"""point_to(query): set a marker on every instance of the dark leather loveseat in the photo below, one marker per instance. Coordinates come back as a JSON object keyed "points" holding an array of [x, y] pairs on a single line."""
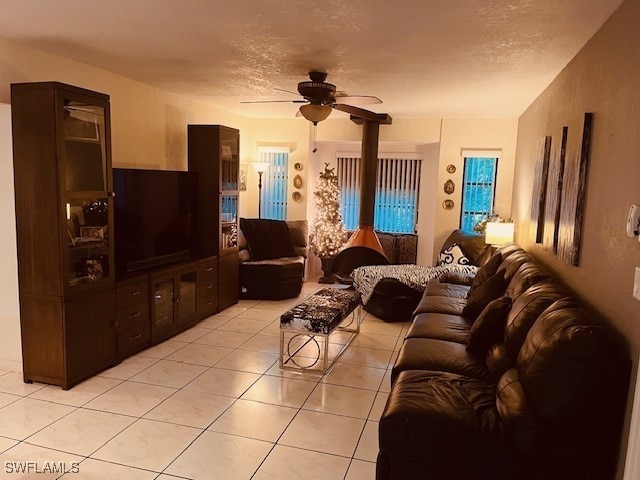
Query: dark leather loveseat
{"points": [[533, 388]]}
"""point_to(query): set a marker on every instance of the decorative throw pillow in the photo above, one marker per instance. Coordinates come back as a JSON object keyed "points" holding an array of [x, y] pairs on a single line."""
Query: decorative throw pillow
{"points": [[452, 256], [267, 239], [489, 326], [487, 270], [479, 298]]}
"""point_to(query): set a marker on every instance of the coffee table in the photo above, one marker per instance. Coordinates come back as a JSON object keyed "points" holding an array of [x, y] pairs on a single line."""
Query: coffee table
{"points": [[312, 322]]}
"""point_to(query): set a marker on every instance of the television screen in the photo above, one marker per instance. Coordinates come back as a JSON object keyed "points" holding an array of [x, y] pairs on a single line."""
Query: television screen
{"points": [[153, 210]]}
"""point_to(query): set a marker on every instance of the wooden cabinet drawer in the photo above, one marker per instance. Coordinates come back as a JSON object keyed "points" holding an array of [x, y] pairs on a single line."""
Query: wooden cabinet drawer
{"points": [[207, 305], [132, 291], [207, 288], [133, 339], [132, 315], [208, 269]]}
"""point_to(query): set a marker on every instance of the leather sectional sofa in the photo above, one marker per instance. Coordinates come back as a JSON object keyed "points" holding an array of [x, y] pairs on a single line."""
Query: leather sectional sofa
{"points": [[533, 388]]}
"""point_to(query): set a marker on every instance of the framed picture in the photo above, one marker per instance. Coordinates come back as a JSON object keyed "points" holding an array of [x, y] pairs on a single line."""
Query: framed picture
{"points": [[95, 233], [95, 271], [574, 188], [554, 192], [539, 194], [242, 178]]}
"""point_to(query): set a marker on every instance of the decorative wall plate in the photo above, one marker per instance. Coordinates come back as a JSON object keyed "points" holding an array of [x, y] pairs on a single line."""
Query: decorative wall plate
{"points": [[451, 168], [297, 166], [297, 181], [449, 187], [297, 196], [448, 204]]}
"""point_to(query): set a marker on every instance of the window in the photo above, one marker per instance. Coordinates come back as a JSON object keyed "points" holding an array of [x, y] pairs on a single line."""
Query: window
{"points": [[397, 192], [274, 183], [478, 190]]}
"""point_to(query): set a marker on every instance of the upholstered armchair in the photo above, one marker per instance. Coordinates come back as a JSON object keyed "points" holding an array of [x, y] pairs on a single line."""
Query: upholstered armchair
{"points": [[273, 257]]}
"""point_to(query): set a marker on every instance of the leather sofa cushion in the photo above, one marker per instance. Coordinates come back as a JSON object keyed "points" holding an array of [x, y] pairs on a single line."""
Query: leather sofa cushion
{"points": [[489, 269], [442, 289], [527, 275], [439, 356], [488, 329], [449, 424], [513, 262], [528, 432], [498, 361], [564, 358], [440, 326], [438, 304], [267, 239], [524, 312], [493, 288]]}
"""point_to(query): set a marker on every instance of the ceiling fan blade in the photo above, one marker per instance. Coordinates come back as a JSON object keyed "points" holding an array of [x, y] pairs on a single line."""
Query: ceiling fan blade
{"points": [[286, 91], [277, 101], [357, 100], [358, 112]]}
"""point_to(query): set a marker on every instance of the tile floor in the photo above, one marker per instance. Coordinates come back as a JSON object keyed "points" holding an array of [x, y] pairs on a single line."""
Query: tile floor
{"points": [[210, 403]]}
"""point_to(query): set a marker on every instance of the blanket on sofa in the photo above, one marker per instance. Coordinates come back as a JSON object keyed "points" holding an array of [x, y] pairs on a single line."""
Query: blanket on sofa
{"points": [[366, 278]]}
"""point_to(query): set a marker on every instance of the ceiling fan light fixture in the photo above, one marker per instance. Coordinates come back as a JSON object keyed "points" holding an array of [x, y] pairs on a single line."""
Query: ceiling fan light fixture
{"points": [[315, 113]]}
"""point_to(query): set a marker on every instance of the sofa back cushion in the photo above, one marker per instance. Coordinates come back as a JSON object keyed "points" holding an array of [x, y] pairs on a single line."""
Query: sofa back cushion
{"points": [[513, 262], [564, 359], [299, 231], [529, 274], [525, 310], [267, 239]]}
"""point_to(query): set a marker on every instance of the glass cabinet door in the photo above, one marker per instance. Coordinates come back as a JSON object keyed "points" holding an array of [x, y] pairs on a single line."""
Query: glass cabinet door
{"points": [[187, 305], [84, 149], [163, 321], [229, 221], [230, 161], [87, 241]]}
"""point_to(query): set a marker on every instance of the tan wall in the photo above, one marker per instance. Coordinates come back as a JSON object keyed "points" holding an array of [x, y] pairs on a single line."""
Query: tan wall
{"points": [[603, 78], [148, 126], [473, 134]]}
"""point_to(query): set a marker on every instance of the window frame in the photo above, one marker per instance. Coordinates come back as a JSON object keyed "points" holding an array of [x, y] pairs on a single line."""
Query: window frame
{"points": [[274, 186], [465, 185]]}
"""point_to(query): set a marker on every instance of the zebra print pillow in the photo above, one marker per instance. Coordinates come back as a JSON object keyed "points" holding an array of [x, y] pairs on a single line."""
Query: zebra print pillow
{"points": [[453, 256]]}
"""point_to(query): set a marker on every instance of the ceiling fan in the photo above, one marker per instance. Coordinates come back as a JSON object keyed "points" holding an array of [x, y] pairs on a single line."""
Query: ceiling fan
{"points": [[320, 97]]}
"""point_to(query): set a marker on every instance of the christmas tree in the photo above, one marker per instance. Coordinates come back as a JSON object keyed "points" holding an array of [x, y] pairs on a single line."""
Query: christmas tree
{"points": [[327, 232]]}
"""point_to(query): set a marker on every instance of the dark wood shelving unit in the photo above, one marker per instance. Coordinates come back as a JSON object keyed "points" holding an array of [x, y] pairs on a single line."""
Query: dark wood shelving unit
{"points": [[64, 218], [76, 317], [214, 154]]}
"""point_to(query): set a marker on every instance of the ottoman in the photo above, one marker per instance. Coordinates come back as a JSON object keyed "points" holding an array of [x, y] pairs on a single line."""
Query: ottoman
{"points": [[271, 279]]}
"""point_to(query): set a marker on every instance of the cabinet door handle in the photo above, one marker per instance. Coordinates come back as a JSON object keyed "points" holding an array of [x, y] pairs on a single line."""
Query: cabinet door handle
{"points": [[134, 293], [210, 286], [209, 302], [134, 315], [135, 337], [210, 269]]}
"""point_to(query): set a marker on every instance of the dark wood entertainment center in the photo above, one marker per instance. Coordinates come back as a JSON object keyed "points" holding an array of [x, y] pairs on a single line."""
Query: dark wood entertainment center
{"points": [[78, 315]]}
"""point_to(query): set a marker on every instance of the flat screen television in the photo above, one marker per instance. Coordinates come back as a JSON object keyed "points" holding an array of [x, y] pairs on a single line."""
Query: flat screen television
{"points": [[153, 210]]}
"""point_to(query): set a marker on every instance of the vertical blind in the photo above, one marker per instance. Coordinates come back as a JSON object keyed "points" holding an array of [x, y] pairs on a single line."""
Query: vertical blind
{"points": [[478, 190], [397, 193], [274, 185]]}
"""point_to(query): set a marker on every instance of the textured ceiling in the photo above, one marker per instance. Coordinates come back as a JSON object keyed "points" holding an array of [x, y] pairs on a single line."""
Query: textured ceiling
{"points": [[423, 58]]}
